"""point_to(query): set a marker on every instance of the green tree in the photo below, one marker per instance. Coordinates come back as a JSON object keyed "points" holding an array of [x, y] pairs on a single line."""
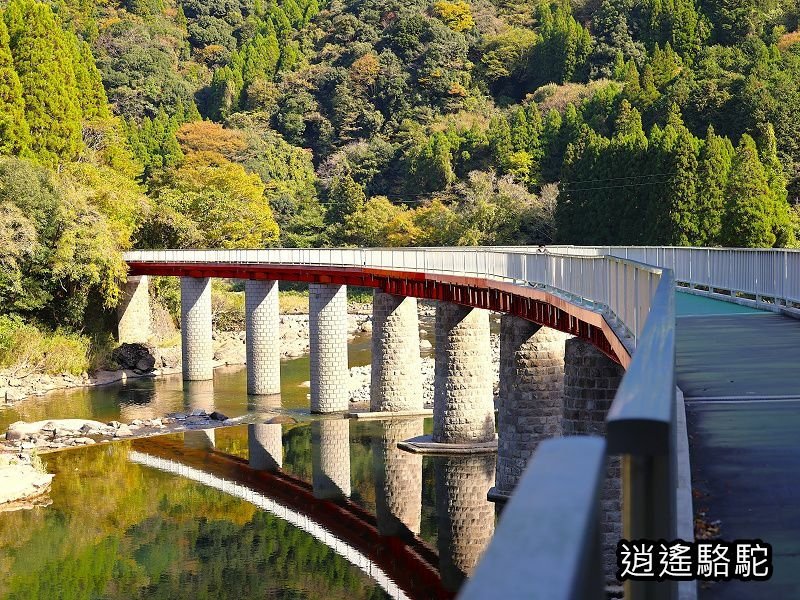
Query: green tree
{"points": [[748, 208], [714, 169], [44, 61], [14, 132]]}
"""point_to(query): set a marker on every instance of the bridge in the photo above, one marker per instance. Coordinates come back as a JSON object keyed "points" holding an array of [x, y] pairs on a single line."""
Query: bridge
{"points": [[592, 347]]}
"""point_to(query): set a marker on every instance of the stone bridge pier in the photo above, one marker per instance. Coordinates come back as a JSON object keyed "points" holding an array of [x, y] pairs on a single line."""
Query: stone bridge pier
{"points": [[530, 399], [396, 369], [133, 311], [197, 350], [327, 321], [262, 337], [591, 380], [398, 478], [465, 518], [330, 458], [463, 407]]}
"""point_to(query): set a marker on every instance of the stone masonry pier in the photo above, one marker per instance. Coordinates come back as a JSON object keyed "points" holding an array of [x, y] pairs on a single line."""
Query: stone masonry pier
{"points": [[530, 399], [133, 312], [590, 384], [262, 324], [196, 341], [328, 346], [396, 376], [463, 409]]}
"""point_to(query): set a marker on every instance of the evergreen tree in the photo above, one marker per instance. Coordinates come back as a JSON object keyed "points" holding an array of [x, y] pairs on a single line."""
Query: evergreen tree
{"points": [[89, 82], [44, 62], [713, 171], [748, 208], [781, 219], [673, 204], [14, 132]]}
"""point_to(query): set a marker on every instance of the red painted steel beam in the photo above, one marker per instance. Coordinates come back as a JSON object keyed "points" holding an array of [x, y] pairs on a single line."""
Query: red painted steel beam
{"points": [[534, 304]]}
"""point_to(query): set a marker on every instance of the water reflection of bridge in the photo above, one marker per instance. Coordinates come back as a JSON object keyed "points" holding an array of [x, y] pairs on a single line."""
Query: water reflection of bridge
{"points": [[386, 545]]}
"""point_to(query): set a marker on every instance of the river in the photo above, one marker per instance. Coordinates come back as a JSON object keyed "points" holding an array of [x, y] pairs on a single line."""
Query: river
{"points": [[185, 516]]}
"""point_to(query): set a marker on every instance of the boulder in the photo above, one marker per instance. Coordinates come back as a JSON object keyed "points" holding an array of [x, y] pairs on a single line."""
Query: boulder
{"points": [[218, 416], [134, 356]]}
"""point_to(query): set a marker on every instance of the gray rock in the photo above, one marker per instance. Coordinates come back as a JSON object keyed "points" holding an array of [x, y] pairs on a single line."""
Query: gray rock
{"points": [[146, 363], [198, 412], [114, 424], [13, 434], [122, 431], [178, 416], [128, 356]]}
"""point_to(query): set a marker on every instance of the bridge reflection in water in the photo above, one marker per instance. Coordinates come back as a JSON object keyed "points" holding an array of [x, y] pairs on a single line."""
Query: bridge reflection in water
{"points": [[386, 544]]}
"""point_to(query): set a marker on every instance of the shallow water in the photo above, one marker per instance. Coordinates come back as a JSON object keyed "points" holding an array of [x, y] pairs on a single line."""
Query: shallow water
{"points": [[202, 514]]}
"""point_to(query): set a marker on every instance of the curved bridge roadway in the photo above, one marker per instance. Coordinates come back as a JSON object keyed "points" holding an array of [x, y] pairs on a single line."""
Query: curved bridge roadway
{"points": [[736, 349]]}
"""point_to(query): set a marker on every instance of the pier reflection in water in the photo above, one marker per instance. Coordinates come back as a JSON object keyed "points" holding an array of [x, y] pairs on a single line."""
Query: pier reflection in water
{"points": [[139, 531], [119, 529]]}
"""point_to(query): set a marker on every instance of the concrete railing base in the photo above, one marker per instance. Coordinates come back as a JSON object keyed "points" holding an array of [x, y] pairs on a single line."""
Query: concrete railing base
{"points": [[386, 414], [424, 444]]}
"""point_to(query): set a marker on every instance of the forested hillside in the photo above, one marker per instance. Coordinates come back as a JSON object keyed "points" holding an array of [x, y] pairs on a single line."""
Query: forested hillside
{"points": [[251, 123]]}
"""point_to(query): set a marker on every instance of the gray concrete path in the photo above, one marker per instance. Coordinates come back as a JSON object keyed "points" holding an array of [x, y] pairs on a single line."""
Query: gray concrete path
{"points": [[740, 373]]}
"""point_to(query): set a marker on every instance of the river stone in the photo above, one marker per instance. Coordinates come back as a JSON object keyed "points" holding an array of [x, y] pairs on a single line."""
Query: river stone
{"points": [[218, 416], [282, 419], [122, 431], [13, 434]]}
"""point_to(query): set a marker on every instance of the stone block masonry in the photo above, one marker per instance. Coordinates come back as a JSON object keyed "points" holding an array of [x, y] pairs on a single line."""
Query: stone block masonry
{"points": [[463, 408], [396, 367], [133, 312], [265, 446], [464, 516], [262, 324], [398, 478], [330, 458], [197, 349], [330, 379], [531, 395], [591, 380]]}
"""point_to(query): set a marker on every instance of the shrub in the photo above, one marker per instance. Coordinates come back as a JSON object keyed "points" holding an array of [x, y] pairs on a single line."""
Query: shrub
{"points": [[26, 349]]}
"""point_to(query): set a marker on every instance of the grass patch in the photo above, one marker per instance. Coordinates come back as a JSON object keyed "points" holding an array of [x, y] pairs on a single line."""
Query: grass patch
{"points": [[26, 349]]}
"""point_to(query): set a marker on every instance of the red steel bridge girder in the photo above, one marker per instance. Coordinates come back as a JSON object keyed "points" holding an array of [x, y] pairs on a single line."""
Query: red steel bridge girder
{"points": [[533, 305]]}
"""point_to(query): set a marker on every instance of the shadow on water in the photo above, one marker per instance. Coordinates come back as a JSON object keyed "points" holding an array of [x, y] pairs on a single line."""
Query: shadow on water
{"points": [[324, 509]]}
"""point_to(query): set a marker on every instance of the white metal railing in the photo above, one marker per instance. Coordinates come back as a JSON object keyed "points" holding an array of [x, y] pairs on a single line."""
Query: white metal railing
{"points": [[768, 277]]}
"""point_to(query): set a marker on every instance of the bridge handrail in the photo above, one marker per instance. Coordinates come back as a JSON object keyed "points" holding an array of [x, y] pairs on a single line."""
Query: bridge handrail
{"points": [[562, 488]]}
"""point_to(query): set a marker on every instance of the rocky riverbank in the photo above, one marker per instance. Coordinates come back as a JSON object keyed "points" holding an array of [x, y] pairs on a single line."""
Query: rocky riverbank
{"points": [[23, 482], [136, 360], [55, 434]]}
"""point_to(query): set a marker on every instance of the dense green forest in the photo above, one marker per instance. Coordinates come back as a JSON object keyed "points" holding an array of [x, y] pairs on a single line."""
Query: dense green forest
{"points": [[252, 123]]}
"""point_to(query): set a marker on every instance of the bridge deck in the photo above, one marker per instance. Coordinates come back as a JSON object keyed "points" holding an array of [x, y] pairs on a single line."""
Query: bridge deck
{"points": [[738, 368]]}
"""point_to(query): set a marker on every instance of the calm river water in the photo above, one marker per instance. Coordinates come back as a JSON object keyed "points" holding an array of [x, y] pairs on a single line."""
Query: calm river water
{"points": [[186, 516]]}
